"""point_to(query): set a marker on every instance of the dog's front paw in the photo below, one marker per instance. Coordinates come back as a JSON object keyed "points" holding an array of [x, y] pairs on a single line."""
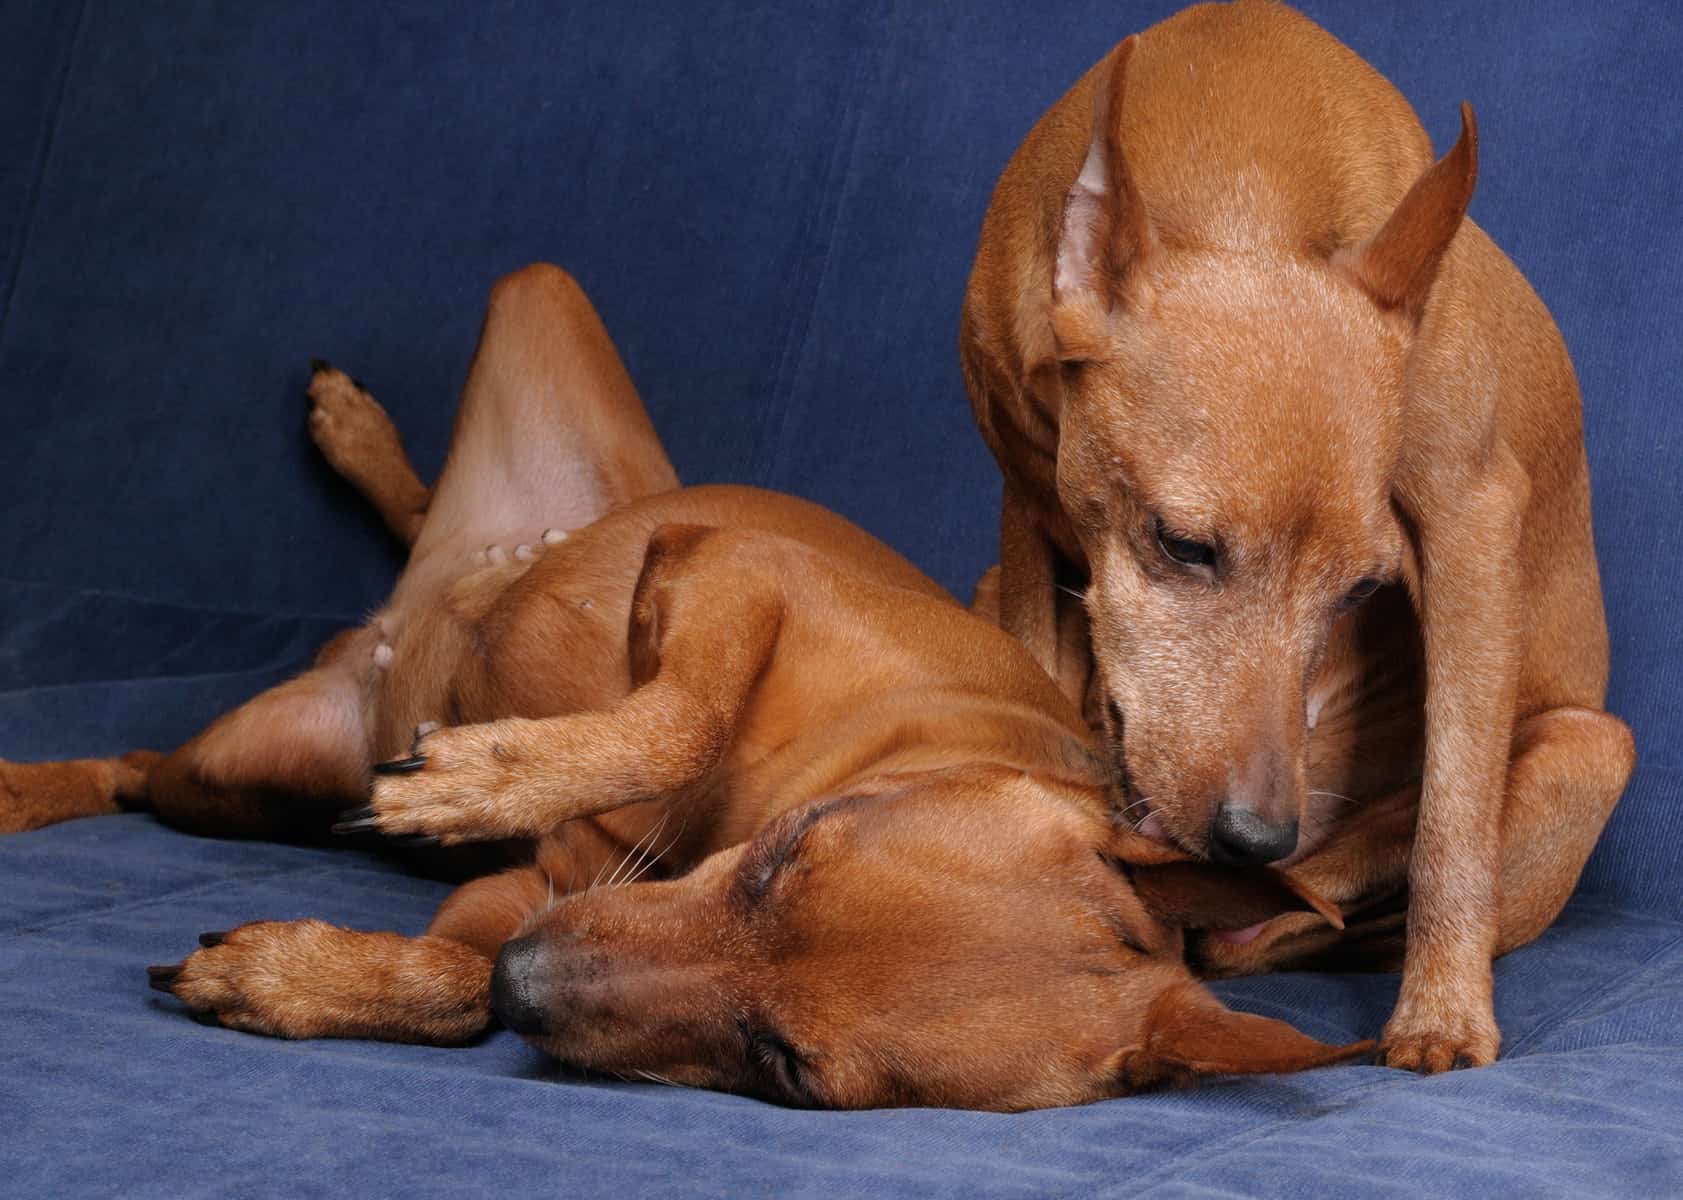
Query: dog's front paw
{"points": [[451, 789], [270, 977], [1441, 1042]]}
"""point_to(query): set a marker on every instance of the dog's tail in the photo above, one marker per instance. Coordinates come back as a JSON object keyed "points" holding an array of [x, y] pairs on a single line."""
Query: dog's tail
{"points": [[45, 793]]}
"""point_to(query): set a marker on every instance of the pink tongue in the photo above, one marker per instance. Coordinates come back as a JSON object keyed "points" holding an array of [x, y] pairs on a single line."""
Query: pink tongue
{"points": [[1238, 937], [1152, 828]]}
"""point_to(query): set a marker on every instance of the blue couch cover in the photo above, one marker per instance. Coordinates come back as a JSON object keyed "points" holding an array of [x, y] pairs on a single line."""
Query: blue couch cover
{"points": [[774, 207]]}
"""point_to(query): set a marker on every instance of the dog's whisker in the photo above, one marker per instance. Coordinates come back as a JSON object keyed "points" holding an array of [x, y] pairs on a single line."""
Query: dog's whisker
{"points": [[1333, 796], [1141, 803], [600, 871], [652, 858], [624, 862], [659, 854], [638, 850]]}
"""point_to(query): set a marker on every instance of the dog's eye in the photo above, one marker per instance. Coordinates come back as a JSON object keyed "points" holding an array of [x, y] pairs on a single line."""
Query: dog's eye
{"points": [[1185, 551], [778, 1059], [1363, 589]]}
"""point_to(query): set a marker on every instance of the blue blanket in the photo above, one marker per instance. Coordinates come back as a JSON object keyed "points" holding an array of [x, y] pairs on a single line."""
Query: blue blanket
{"points": [[774, 208]]}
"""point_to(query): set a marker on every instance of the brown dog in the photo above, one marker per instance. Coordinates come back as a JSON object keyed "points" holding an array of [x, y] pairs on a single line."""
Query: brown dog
{"points": [[891, 870], [1244, 365]]}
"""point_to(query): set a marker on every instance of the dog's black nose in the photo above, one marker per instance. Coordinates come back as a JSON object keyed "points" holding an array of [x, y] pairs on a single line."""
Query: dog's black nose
{"points": [[1241, 838], [517, 985]]}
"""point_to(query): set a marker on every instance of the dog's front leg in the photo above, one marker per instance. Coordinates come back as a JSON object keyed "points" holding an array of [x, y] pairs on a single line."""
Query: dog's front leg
{"points": [[701, 639], [1467, 534], [308, 979]]}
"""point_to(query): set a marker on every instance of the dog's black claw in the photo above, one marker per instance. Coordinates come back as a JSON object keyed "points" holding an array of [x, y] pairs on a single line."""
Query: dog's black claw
{"points": [[162, 978], [1461, 1063], [214, 938], [318, 365], [356, 820], [205, 1017], [401, 766]]}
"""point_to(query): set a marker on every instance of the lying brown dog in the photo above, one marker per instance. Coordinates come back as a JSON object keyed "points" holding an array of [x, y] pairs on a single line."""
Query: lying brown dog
{"points": [[1244, 366], [890, 869]]}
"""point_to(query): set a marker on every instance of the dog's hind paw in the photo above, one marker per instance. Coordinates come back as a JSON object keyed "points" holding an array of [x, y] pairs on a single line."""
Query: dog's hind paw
{"points": [[346, 423]]}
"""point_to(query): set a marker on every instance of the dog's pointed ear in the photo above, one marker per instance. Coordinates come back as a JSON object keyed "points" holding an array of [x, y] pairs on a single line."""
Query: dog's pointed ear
{"points": [[1398, 265], [1105, 230], [1195, 895], [1187, 1030]]}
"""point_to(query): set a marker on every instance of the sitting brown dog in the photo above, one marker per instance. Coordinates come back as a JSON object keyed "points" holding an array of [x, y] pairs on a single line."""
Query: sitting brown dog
{"points": [[1287, 440], [850, 844]]}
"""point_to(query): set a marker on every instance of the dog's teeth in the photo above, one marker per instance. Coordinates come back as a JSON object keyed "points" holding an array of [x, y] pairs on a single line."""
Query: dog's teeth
{"points": [[496, 555], [524, 552], [383, 655], [552, 536]]}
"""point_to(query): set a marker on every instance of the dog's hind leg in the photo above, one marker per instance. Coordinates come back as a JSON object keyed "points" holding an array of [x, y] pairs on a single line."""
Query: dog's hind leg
{"points": [[550, 433], [1568, 768], [279, 763], [358, 439], [277, 766]]}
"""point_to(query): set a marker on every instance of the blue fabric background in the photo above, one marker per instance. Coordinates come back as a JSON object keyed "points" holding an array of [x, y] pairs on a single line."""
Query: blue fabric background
{"points": [[774, 207]]}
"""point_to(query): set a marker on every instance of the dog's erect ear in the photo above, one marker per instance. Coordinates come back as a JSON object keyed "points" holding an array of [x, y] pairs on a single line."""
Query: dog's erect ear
{"points": [[1196, 895], [1188, 1030], [1398, 264], [1106, 228]]}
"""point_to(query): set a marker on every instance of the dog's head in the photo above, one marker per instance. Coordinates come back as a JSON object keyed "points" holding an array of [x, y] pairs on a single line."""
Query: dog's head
{"points": [[968, 939], [1229, 459]]}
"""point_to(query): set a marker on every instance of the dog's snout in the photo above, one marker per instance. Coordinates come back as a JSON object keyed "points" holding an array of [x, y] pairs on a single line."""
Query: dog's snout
{"points": [[517, 985], [1240, 837]]}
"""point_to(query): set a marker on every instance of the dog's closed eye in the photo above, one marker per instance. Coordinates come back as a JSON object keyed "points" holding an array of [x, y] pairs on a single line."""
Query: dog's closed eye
{"points": [[1361, 590], [772, 1056], [1188, 552]]}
